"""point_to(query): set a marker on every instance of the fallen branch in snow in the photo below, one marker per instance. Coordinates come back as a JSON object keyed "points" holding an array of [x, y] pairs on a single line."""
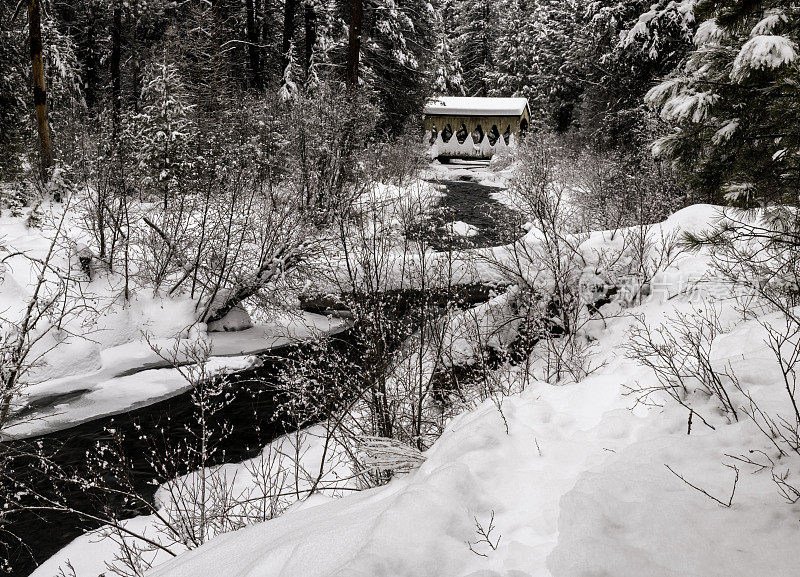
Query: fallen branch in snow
{"points": [[383, 454], [270, 270], [751, 461], [706, 493]]}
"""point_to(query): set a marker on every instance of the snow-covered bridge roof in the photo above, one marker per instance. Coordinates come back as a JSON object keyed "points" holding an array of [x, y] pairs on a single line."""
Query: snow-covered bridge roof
{"points": [[475, 106]]}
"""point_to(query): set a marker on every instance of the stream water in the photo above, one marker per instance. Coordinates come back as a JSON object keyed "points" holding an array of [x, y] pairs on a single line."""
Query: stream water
{"points": [[470, 202], [250, 415]]}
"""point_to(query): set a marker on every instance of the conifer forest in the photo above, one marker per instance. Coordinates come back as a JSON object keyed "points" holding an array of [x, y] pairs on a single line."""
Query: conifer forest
{"points": [[399, 288]]}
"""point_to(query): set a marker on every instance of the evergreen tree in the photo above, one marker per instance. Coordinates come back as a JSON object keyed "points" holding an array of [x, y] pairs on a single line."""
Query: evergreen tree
{"points": [[624, 49], [14, 96], [446, 70], [555, 84], [513, 50], [398, 40], [288, 90], [733, 105], [66, 104], [164, 130], [475, 40]]}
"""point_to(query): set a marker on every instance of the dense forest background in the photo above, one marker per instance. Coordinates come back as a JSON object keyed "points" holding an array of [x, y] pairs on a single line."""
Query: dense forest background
{"points": [[579, 64], [123, 73]]}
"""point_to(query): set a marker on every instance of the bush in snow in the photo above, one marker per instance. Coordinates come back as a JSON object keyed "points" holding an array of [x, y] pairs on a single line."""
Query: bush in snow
{"points": [[679, 353], [548, 264], [14, 199], [35, 216], [615, 189], [754, 256]]}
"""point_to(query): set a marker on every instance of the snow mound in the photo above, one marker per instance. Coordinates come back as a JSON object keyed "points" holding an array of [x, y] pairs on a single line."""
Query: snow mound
{"points": [[237, 319], [461, 228], [631, 516]]}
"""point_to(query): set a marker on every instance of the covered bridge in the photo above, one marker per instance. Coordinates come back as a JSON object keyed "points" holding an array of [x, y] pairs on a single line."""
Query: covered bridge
{"points": [[471, 127]]}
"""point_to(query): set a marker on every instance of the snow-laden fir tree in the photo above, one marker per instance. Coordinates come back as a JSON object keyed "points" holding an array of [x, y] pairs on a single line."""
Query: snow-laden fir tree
{"points": [[164, 129], [446, 70], [396, 55], [733, 106], [288, 89], [515, 50], [14, 95], [622, 48], [475, 39], [66, 102], [554, 87]]}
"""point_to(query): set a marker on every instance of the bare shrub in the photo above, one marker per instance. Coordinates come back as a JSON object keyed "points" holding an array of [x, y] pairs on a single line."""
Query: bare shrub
{"points": [[679, 353], [485, 536], [43, 321], [548, 264], [756, 255], [615, 190]]}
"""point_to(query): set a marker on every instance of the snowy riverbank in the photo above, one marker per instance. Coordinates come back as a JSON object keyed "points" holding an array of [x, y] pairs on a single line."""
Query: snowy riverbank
{"points": [[572, 477]]}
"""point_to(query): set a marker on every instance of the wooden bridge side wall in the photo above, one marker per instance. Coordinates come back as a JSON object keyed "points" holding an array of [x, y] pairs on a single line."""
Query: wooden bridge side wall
{"points": [[472, 122], [469, 148]]}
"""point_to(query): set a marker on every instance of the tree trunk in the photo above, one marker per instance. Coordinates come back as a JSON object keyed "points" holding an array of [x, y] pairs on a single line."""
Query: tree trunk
{"points": [[289, 8], [116, 54], [354, 42], [39, 91], [311, 34], [253, 50]]}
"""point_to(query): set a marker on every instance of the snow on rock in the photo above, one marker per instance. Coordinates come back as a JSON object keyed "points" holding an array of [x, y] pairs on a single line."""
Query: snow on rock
{"points": [[237, 319], [461, 228]]}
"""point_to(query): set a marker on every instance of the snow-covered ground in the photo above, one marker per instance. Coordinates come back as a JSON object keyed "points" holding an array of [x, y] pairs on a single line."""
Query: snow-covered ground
{"points": [[572, 478]]}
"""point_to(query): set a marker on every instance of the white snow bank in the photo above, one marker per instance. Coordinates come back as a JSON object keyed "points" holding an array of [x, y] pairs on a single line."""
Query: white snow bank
{"points": [[111, 388], [90, 553], [630, 516]]}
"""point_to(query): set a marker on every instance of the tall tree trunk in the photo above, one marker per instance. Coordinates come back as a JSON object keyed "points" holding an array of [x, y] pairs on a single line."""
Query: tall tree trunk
{"points": [[289, 8], [253, 50], [311, 34], [116, 54], [39, 91], [354, 42], [266, 33]]}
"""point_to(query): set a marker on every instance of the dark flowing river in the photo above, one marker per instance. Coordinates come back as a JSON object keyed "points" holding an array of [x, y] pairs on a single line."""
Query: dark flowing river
{"points": [[249, 414]]}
